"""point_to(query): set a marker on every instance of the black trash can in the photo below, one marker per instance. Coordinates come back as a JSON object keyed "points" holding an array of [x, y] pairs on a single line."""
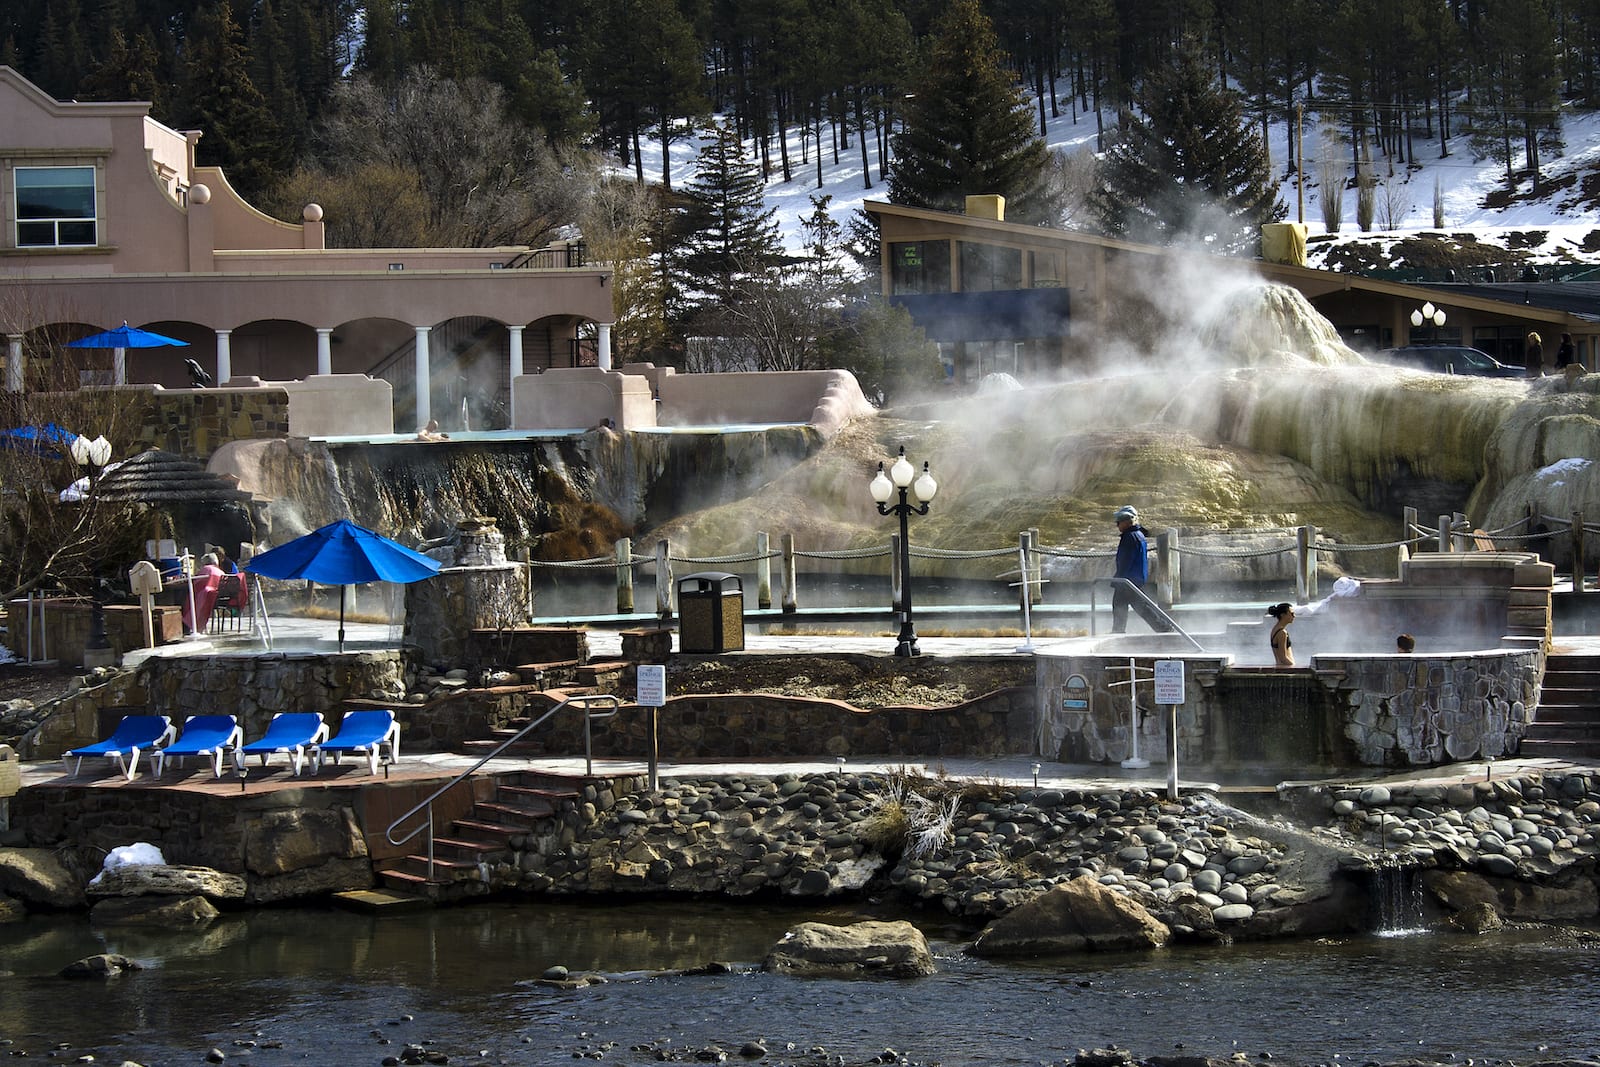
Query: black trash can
{"points": [[710, 612]]}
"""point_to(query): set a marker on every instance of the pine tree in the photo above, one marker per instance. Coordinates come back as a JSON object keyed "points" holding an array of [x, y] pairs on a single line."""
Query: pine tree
{"points": [[240, 133], [968, 127], [1189, 167], [729, 237]]}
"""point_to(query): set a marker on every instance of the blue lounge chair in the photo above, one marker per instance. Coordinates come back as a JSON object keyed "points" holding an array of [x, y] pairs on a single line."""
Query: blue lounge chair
{"points": [[291, 732], [365, 733], [134, 734], [203, 735]]}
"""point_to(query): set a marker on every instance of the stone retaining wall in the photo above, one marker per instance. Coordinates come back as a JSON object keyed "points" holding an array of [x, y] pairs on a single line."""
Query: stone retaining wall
{"points": [[252, 687], [1344, 711], [764, 726]]}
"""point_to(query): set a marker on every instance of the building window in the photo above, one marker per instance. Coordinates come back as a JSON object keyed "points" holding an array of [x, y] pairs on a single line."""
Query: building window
{"points": [[919, 267], [55, 207], [986, 268]]}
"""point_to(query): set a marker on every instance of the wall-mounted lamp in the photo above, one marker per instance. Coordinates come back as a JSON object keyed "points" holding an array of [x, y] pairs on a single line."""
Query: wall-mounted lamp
{"points": [[602, 281], [397, 266]]}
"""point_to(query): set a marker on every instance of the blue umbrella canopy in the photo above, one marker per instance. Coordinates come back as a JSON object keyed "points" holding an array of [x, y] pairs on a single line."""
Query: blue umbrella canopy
{"points": [[342, 553], [126, 336], [49, 440]]}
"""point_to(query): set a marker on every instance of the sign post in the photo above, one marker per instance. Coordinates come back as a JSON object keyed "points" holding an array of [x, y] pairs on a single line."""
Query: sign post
{"points": [[1169, 691], [652, 687]]}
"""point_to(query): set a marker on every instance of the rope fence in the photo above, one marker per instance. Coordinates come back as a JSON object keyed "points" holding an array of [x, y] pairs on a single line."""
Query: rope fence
{"points": [[1307, 547]]}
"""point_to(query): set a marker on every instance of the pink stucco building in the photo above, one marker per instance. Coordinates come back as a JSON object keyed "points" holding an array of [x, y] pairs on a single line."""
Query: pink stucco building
{"points": [[107, 219]]}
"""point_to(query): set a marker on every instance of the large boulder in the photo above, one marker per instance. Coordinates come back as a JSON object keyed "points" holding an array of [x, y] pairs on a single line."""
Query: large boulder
{"points": [[1080, 915], [1510, 898], [170, 880], [153, 911], [37, 876], [12, 911], [280, 842], [882, 949], [333, 876]]}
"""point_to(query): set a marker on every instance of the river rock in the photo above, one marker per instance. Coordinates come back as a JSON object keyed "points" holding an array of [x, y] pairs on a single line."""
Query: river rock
{"points": [[37, 876], [105, 965], [1477, 918], [170, 880], [884, 949], [12, 910], [1513, 899], [1081, 914], [153, 911]]}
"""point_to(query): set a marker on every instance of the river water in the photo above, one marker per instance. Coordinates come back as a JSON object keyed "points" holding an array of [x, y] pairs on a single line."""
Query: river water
{"points": [[305, 986]]}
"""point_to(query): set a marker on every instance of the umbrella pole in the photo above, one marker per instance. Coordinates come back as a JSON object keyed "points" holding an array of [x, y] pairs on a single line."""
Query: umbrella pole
{"points": [[119, 366], [342, 590]]}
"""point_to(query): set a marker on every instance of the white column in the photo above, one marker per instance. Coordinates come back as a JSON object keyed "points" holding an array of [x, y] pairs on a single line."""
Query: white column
{"points": [[603, 349], [224, 356], [424, 379], [324, 351], [514, 355], [119, 366], [14, 363]]}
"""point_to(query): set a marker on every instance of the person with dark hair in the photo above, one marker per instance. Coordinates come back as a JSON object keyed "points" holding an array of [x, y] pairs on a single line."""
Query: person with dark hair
{"points": [[1567, 353], [1133, 564], [1405, 643], [1282, 654]]}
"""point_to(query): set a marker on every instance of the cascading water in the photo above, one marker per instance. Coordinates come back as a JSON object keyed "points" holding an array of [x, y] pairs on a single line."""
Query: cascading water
{"points": [[1396, 906]]}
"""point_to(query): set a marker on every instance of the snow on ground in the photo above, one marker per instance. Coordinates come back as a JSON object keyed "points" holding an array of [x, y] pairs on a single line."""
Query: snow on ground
{"points": [[1464, 183]]}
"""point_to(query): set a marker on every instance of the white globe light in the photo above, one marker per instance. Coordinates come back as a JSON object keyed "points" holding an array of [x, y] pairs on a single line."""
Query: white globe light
{"points": [[100, 451], [1438, 317], [1416, 318], [80, 450], [1427, 310], [925, 486], [882, 489], [902, 472]]}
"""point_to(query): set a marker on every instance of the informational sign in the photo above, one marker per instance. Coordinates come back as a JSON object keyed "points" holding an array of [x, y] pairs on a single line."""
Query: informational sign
{"points": [[1075, 694], [1169, 681], [652, 684]]}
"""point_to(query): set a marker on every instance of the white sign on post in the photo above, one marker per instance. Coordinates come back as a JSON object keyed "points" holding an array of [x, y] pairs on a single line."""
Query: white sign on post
{"points": [[1169, 681], [652, 684]]}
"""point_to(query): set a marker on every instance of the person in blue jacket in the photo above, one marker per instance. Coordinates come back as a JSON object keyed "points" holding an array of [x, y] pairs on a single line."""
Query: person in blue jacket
{"points": [[1133, 564]]}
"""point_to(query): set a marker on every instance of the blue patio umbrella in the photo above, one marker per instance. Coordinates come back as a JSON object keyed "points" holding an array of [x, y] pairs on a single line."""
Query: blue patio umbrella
{"points": [[39, 440], [123, 338], [342, 553]]}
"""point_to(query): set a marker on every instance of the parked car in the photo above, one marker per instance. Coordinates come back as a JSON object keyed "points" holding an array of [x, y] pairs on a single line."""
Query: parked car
{"points": [[1450, 359]]}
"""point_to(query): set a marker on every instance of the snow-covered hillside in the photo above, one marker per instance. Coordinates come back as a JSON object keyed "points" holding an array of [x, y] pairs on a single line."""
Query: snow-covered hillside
{"points": [[1472, 190]]}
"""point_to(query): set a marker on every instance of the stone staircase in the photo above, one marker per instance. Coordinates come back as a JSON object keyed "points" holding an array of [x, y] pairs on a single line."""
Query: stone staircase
{"points": [[465, 849], [586, 679], [1566, 724]]}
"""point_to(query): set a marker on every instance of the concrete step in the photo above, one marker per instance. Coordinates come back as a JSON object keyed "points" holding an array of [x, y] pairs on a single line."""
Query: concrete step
{"points": [[1583, 681], [468, 848], [1564, 750], [1566, 713], [1557, 729], [512, 813], [476, 827]]}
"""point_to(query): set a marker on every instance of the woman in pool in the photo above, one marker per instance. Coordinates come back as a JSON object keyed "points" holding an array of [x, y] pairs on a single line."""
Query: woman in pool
{"points": [[1282, 654]]}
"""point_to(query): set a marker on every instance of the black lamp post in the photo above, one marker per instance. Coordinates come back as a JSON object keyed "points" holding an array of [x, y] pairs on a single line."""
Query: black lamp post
{"points": [[97, 651], [884, 486]]}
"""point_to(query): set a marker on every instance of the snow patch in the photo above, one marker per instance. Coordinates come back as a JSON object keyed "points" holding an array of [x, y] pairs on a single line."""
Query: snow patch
{"points": [[1556, 474], [138, 854]]}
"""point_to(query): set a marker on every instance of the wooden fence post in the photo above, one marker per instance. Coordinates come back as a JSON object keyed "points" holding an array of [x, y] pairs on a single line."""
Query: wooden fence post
{"points": [[624, 576], [1577, 552], [791, 596], [663, 581], [1302, 564], [1444, 533], [763, 571]]}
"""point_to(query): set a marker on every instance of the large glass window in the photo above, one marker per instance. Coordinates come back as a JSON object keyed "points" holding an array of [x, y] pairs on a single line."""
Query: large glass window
{"points": [[55, 207], [919, 267], [986, 268]]}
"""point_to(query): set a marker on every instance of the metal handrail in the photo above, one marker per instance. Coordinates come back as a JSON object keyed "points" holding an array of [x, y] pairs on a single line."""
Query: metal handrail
{"points": [[583, 700], [1140, 593]]}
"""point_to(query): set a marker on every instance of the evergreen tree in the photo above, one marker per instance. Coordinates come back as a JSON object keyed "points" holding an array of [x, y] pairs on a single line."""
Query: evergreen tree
{"points": [[1191, 167], [240, 133], [730, 240], [126, 73], [968, 127]]}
